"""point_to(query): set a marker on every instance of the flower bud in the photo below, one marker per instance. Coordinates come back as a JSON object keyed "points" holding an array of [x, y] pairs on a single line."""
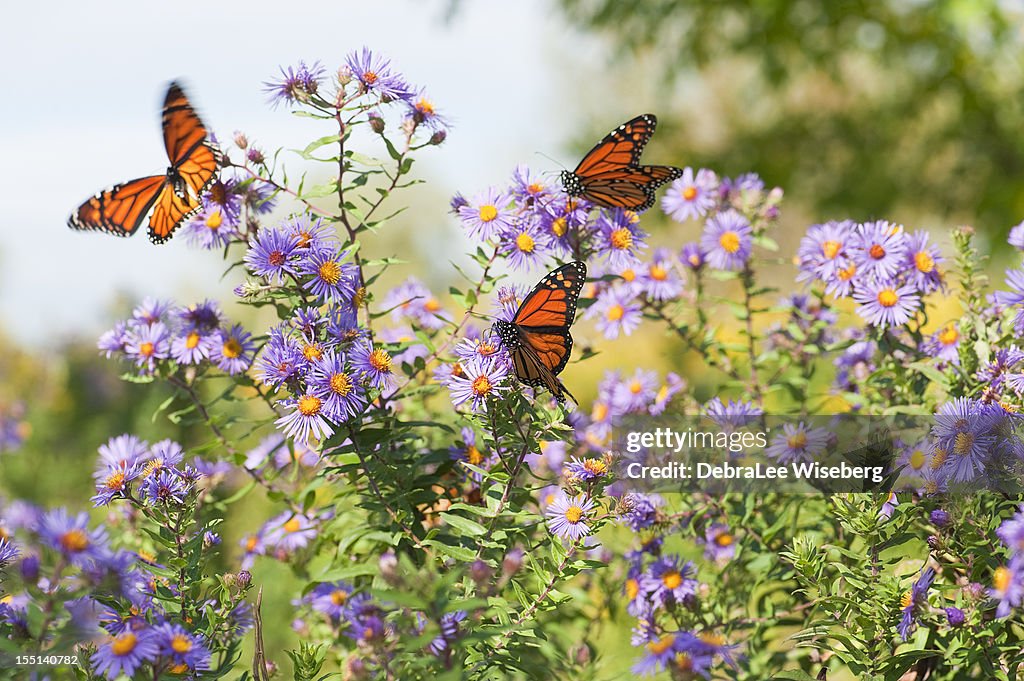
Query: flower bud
{"points": [[388, 565], [512, 562], [241, 141], [256, 156], [376, 122], [30, 568], [955, 617], [439, 137], [480, 572], [939, 518], [243, 579]]}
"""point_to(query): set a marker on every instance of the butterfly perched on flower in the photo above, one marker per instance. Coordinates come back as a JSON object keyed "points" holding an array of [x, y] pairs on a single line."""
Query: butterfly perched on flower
{"points": [[610, 175], [171, 198], [538, 337]]}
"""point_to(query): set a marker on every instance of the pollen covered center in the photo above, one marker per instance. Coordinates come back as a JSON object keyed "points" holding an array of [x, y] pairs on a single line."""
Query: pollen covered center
{"points": [[524, 242], [380, 360], [341, 384], [330, 272], [730, 241], [690, 193], [887, 297], [309, 405], [488, 213], [621, 239], [482, 385], [574, 514]]}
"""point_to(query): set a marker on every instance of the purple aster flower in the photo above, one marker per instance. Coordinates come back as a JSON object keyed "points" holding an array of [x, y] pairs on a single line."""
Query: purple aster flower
{"points": [[719, 543], [568, 516], [726, 241], [586, 469], [855, 364], [617, 312], [296, 83], [374, 75], [152, 311], [450, 632], [373, 364], [635, 393], [414, 301], [692, 256], [8, 552], [681, 651], [186, 651], [889, 506], [798, 442], [922, 263], [147, 344], [944, 344], [488, 214], [1004, 360], [114, 341], [939, 518], [271, 255], [507, 301], [1012, 532], [669, 580], [289, 532], [886, 304], [619, 237], [307, 321], [72, 536], [822, 250], [209, 229], [879, 248], [528, 187], [673, 385], [955, 617], [338, 386], [524, 245], [733, 415], [233, 350], [166, 488], [643, 511], [423, 112], [913, 601], [125, 653], [845, 276], [481, 378], [122, 450], [280, 359], [1008, 586], [114, 483], [660, 281], [191, 348], [331, 279], [226, 194], [330, 598], [311, 236], [691, 196], [1016, 238], [307, 420]]}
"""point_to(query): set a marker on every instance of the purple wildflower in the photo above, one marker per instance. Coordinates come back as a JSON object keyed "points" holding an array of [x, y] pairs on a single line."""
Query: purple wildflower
{"points": [[726, 241]]}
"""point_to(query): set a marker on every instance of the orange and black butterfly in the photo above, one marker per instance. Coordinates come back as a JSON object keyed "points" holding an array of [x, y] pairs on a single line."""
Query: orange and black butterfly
{"points": [[538, 337], [171, 198], [610, 175]]}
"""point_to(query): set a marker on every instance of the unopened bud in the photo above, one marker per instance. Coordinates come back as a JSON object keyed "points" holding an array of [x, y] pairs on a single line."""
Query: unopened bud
{"points": [[376, 122], [388, 565], [241, 141]]}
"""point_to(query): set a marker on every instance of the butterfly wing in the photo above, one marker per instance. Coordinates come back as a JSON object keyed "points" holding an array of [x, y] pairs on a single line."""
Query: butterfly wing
{"points": [[630, 188], [619, 148], [121, 209], [169, 211]]}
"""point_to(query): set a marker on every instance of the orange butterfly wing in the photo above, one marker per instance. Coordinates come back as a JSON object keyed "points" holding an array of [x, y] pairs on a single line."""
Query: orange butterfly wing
{"points": [[173, 197], [121, 209], [629, 188], [621, 147]]}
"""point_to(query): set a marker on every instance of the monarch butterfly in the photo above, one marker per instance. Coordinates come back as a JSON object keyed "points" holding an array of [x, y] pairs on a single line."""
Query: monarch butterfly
{"points": [[538, 335], [172, 197], [610, 175]]}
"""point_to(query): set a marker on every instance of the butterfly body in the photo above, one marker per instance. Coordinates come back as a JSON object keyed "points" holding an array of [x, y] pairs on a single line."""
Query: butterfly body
{"points": [[537, 338], [610, 175], [168, 199]]}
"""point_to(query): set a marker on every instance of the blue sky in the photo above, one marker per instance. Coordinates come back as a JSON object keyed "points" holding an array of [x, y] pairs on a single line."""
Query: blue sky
{"points": [[84, 82]]}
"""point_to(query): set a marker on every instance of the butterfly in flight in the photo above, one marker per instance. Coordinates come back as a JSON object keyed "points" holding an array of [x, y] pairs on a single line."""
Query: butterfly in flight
{"points": [[538, 336], [171, 198], [610, 175]]}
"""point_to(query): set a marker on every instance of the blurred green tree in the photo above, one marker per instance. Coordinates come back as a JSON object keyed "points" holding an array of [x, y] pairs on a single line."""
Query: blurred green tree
{"points": [[858, 108]]}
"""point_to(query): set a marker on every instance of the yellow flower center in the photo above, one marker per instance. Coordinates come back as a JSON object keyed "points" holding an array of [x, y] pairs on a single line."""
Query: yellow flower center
{"points": [[251, 542], [123, 644], [877, 251], [330, 272], [917, 459], [658, 273], [341, 384], [232, 348], [939, 458], [599, 412], [181, 644], [846, 274], [432, 305], [595, 466], [488, 212], [309, 405], [312, 352], [192, 340], [473, 455], [74, 541], [690, 193], [524, 242], [370, 77], [574, 514], [628, 275], [559, 226], [1001, 579], [380, 360], [178, 668], [906, 600], [661, 645], [614, 313], [684, 663], [963, 443], [797, 440], [360, 297], [949, 334], [635, 387], [621, 239], [632, 589], [536, 188], [724, 539], [830, 249], [712, 639], [730, 241], [887, 297], [114, 481], [146, 349], [425, 107], [293, 525], [924, 262], [214, 219], [482, 385], [339, 597], [672, 579]]}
